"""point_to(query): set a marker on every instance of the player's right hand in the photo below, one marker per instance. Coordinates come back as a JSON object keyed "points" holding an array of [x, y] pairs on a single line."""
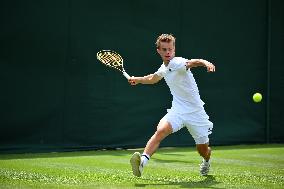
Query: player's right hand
{"points": [[132, 81]]}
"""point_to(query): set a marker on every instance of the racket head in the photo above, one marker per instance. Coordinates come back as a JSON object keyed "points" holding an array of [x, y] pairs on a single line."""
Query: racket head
{"points": [[111, 59]]}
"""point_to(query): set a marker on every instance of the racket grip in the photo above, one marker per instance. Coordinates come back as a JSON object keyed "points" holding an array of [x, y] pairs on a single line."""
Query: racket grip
{"points": [[126, 75]]}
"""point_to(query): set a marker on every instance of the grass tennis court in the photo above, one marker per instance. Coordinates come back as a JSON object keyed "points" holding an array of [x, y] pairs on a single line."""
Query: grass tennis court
{"points": [[249, 166]]}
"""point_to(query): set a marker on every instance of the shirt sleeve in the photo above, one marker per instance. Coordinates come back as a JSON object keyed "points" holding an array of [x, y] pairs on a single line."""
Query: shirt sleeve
{"points": [[179, 64], [161, 71]]}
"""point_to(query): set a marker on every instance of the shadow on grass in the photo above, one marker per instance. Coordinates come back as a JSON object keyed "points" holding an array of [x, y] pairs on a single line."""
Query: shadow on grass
{"points": [[208, 182], [93, 153], [172, 161], [77, 153]]}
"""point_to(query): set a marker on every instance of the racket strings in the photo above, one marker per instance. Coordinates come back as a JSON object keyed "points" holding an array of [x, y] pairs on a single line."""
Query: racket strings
{"points": [[111, 59]]}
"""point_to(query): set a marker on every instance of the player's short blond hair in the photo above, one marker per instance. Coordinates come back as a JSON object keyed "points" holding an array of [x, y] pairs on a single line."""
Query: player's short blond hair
{"points": [[165, 38]]}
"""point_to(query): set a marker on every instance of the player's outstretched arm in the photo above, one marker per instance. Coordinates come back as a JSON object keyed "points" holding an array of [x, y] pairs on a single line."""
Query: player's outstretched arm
{"points": [[200, 62], [149, 79]]}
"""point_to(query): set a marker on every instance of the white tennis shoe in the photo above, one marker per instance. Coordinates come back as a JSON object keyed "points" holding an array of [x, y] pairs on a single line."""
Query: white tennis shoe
{"points": [[204, 167], [136, 165]]}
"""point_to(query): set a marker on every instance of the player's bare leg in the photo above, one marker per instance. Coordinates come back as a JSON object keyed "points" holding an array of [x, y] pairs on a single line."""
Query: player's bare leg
{"points": [[164, 129], [137, 161], [205, 151]]}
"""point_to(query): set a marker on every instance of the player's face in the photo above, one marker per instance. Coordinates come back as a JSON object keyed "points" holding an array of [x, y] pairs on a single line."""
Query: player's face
{"points": [[166, 51]]}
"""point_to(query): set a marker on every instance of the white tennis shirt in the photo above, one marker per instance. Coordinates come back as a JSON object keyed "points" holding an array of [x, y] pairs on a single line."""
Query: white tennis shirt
{"points": [[186, 98]]}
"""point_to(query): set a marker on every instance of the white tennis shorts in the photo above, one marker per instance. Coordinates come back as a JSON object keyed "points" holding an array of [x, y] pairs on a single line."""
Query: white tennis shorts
{"points": [[197, 123]]}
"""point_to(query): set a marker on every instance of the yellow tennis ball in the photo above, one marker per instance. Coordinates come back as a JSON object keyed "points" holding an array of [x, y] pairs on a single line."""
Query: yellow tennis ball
{"points": [[257, 97]]}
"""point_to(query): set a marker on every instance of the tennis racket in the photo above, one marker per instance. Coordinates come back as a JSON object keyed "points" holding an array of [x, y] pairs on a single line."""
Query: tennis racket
{"points": [[112, 59]]}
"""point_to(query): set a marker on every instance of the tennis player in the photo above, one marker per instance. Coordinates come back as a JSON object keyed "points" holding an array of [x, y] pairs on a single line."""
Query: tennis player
{"points": [[187, 108]]}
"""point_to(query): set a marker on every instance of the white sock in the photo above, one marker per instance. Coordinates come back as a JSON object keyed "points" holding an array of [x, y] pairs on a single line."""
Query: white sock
{"points": [[144, 159]]}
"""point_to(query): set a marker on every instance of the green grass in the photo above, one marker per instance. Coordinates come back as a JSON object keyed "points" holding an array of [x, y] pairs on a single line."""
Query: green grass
{"points": [[253, 166]]}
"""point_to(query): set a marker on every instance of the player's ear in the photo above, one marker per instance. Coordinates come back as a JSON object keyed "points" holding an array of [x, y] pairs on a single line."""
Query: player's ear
{"points": [[158, 50]]}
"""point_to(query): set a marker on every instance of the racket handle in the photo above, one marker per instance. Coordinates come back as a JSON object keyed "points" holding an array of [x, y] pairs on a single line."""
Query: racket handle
{"points": [[126, 75]]}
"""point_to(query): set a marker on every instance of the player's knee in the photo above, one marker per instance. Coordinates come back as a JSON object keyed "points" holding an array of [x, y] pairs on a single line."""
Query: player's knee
{"points": [[162, 132]]}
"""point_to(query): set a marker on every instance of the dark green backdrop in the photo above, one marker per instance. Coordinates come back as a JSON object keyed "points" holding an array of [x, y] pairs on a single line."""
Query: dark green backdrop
{"points": [[55, 95]]}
